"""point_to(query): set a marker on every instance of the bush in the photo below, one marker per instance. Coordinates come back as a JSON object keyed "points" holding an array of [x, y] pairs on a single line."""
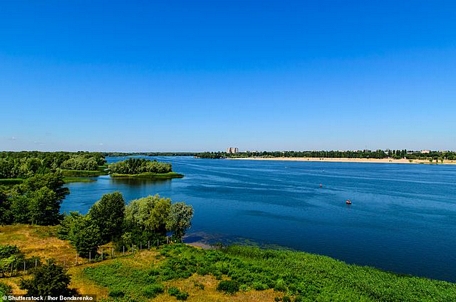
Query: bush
{"points": [[49, 279], [280, 285], [5, 289], [180, 295], [116, 293], [228, 286], [153, 290], [259, 286]]}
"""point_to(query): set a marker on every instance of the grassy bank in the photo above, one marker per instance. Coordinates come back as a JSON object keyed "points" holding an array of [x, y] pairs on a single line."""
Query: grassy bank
{"points": [[10, 181], [149, 175], [78, 179], [82, 173], [240, 273], [235, 273]]}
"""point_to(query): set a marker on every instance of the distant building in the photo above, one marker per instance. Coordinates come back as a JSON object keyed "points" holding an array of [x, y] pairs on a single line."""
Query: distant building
{"points": [[232, 150], [425, 151]]}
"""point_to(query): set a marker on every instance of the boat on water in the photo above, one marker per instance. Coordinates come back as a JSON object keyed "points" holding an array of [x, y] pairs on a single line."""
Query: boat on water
{"points": [[348, 201]]}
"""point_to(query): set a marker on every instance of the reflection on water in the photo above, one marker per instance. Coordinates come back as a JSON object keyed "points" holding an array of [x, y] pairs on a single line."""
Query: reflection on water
{"points": [[137, 182]]}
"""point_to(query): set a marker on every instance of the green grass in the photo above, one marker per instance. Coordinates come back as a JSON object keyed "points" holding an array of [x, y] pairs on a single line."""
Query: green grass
{"points": [[149, 175], [124, 282], [82, 173], [11, 181], [77, 179], [301, 276]]}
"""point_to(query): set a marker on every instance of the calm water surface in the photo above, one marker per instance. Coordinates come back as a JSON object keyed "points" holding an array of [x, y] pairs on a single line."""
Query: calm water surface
{"points": [[403, 217]]}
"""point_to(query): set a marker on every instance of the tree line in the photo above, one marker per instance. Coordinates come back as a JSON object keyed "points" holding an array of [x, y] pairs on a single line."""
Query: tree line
{"points": [[28, 163], [377, 154], [138, 166], [142, 222], [37, 200]]}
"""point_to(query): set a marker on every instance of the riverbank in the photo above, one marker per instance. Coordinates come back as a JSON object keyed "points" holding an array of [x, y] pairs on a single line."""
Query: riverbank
{"points": [[353, 160], [148, 175], [231, 273]]}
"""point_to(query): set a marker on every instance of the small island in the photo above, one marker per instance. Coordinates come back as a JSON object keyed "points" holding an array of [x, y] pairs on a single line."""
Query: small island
{"points": [[140, 168]]}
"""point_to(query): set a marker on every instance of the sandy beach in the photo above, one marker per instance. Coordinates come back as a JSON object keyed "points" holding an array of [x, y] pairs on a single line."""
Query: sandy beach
{"points": [[353, 160]]}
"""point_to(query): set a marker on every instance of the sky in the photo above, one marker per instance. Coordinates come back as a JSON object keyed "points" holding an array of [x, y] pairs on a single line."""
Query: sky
{"points": [[205, 75]]}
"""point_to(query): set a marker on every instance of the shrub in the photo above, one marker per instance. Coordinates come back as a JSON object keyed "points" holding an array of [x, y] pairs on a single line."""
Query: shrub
{"points": [[228, 286], [180, 295], [49, 279], [5, 289], [259, 286], [116, 293], [280, 285], [153, 290]]}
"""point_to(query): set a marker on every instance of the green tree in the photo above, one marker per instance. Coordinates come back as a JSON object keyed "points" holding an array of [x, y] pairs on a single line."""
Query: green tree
{"points": [[44, 207], [37, 200], [67, 225], [53, 181], [19, 208], [180, 219], [10, 258], [146, 218], [85, 237], [6, 217], [150, 218], [5, 289], [159, 215], [108, 215], [49, 279], [83, 234]]}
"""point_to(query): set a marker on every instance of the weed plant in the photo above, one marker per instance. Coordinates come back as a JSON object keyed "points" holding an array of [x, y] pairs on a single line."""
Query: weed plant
{"points": [[295, 276]]}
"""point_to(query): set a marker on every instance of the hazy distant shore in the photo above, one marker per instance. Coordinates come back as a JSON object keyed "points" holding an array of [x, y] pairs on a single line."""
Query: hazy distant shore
{"points": [[353, 160]]}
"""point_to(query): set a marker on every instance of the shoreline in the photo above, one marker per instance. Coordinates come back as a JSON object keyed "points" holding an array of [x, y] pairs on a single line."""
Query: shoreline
{"points": [[352, 160]]}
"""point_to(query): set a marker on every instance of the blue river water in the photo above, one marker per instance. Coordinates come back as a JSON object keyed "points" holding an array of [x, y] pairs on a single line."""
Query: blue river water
{"points": [[402, 217]]}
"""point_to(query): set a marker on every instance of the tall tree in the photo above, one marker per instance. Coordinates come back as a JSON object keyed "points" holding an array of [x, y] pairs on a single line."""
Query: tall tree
{"points": [[44, 207], [180, 219], [86, 237], [108, 215], [83, 234], [6, 216]]}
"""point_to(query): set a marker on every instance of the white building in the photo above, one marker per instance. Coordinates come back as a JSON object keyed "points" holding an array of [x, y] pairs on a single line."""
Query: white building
{"points": [[232, 150]]}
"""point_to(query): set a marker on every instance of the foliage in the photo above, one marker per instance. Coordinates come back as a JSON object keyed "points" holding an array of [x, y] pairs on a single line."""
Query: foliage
{"points": [[302, 275], [180, 295], [80, 163], [122, 281], [49, 279], [5, 289], [153, 290], [228, 286], [143, 222], [83, 234], [148, 219], [37, 200], [148, 176], [44, 207], [395, 154], [28, 163], [107, 215], [180, 218], [139, 165], [294, 276], [211, 155], [6, 217], [19, 208], [10, 258]]}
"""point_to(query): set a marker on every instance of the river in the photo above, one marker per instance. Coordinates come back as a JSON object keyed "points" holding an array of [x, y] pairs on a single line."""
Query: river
{"points": [[402, 217]]}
